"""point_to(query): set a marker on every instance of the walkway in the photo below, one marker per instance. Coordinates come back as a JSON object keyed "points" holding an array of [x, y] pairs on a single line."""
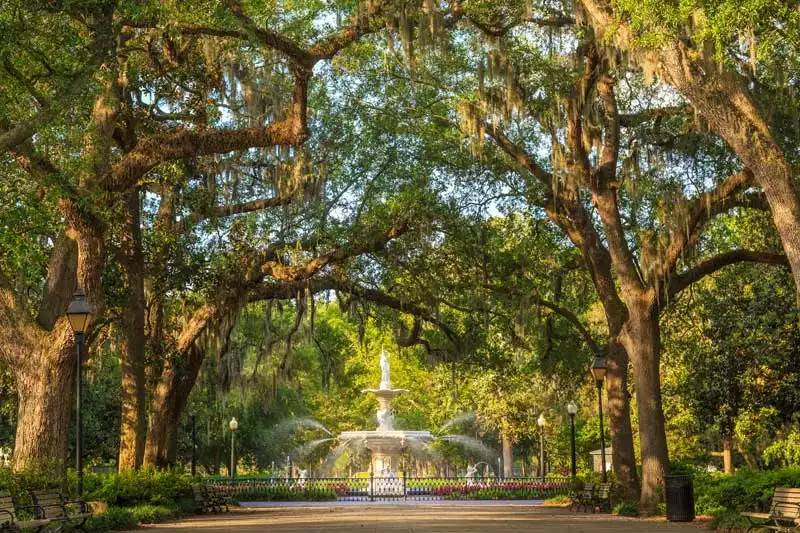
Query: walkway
{"points": [[417, 519]]}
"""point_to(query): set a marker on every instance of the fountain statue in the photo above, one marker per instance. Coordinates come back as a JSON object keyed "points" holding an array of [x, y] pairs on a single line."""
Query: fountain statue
{"points": [[385, 381]]}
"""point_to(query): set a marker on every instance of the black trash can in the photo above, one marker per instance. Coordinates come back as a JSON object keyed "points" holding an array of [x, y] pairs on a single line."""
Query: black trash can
{"points": [[680, 499]]}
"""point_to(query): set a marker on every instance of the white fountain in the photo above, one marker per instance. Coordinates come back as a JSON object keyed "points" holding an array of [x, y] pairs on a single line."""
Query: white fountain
{"points": [[386, 444]]}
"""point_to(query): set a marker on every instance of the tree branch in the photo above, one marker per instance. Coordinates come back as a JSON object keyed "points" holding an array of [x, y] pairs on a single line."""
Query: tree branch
{"points": [[567, 314], [712, 264], [277, 270], [702, 209], [285, 291], [270, 38], [158, 149], [222, 211], [631, 120], [518, 154]]}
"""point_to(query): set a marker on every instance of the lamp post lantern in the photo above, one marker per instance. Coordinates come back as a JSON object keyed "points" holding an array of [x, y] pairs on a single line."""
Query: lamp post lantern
{"points": [[599, 373], [541, 422], [79, 313], [233, 425], [572, 409]]}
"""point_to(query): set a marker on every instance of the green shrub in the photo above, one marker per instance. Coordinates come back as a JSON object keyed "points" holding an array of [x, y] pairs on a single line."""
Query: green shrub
{"points": [[146, 486], [626, 509], [155, 514], [113, 519], [724, 496], [558, 500]]}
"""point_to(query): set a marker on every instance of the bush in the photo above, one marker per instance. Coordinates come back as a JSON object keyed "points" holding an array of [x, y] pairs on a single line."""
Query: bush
{"points": [[155, 514], [724, 496], [626, 509], [113, 519], [146, 486]]}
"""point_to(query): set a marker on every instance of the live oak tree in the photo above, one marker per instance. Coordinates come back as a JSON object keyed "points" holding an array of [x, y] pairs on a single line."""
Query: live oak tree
{"points": [[145, 98], [734, 62]]}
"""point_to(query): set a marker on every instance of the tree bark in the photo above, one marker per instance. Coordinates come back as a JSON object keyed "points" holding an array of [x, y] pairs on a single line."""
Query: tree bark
{"points": [[45, 385], [623, 457], [727, 454], [641, 338], [169, 400], [508, 456], [133, 428]]}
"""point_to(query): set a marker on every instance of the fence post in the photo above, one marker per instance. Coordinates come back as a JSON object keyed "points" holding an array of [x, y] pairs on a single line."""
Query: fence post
{"points": [[405, 492], [371, 485]]}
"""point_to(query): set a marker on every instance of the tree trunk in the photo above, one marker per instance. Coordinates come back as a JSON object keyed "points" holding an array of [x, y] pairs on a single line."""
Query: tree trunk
{"points": [[169, 400], [727, 455], [133, 428], [598, 260], [641, 338], [45, 384], [508, 456], [623, 457]]}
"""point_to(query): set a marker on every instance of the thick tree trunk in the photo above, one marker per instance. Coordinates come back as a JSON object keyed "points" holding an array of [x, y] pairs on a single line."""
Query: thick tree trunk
{"points": [[623, 457], [169, 400], [508, 456], [133, 429], [641, 338], [45, 384]]}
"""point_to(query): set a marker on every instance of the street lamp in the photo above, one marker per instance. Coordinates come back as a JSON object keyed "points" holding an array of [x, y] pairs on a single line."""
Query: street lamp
{"points": [[234, 425], [541, 422], [572, 409], [599, 373], [79, 314]]}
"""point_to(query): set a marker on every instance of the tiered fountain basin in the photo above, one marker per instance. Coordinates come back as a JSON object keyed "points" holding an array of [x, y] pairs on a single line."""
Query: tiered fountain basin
{"points": [[386, 446]]}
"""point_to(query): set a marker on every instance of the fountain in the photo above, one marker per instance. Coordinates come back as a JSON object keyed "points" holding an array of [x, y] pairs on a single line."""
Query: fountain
{"points": [[386, 444]]}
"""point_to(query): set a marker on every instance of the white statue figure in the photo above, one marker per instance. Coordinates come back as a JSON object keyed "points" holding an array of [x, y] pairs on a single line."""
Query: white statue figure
{"points": [[385, 383], [302, 477], [471, 472]]}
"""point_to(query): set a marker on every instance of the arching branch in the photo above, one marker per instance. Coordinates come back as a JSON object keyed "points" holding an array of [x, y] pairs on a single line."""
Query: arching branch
{"points": [[710, 265]]}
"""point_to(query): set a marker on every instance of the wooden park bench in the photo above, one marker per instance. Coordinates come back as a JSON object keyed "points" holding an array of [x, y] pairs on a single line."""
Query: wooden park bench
{"points": [[8, 515], [582, 498], [783, 515], [52, 505], [602, 498]]}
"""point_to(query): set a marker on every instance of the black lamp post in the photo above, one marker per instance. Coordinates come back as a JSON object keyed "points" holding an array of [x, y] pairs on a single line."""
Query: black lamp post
{"points": [[599, 373], [79, 314], [233, 425], [541, 422], [572, 409]]}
